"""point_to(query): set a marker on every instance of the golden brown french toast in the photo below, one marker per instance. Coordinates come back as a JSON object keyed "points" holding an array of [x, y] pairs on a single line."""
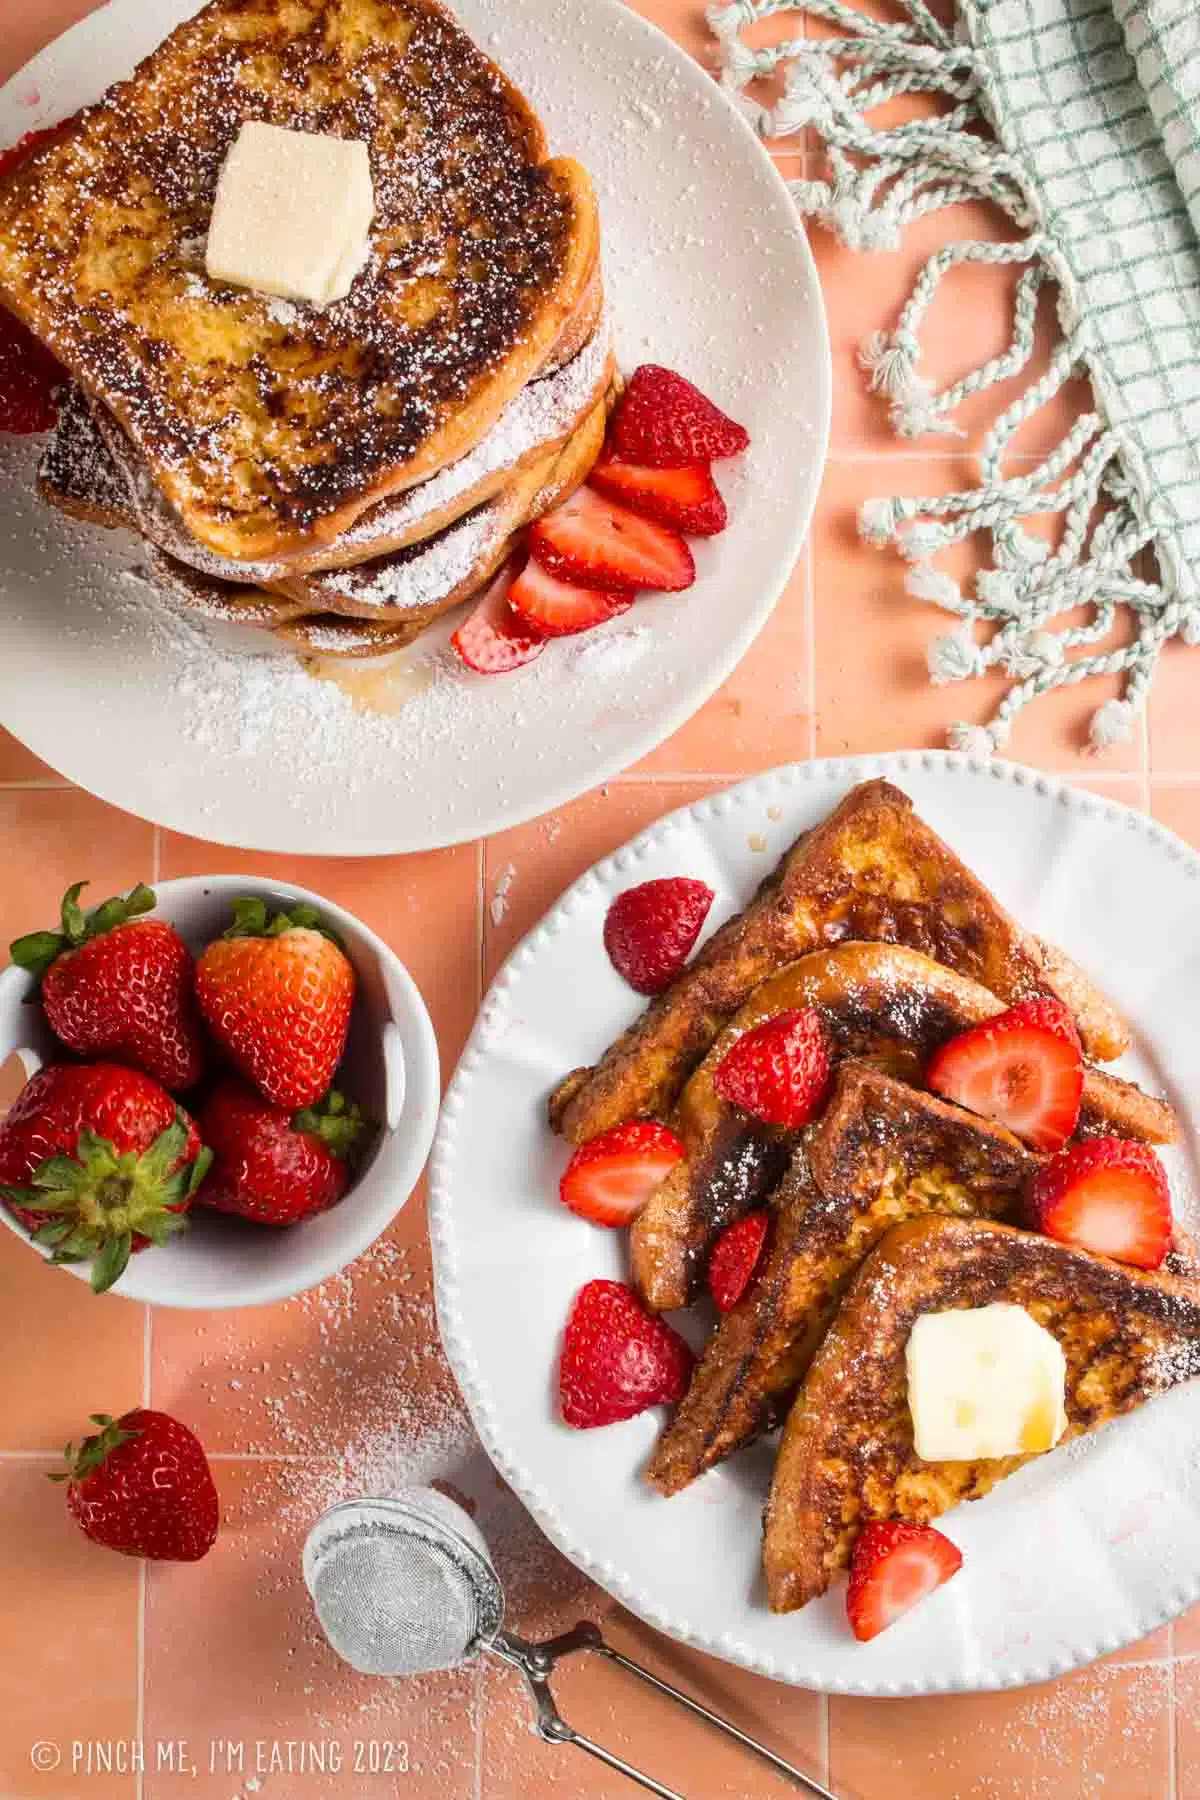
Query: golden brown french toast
{"points": [[544, 414], [882, 1152], [270, 427], [380, 606], [873, 871], [883, 1001], [847, 1452]]}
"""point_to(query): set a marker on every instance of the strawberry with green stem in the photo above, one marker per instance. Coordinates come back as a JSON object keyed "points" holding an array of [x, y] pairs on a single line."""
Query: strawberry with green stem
{"points": [[276, 991], [142, 1485], [273, 1166], [99, 1162], [117, 984]]}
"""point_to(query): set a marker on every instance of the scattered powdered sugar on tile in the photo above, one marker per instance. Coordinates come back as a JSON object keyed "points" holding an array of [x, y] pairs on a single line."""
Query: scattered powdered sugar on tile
{"points": [[504, 881]]}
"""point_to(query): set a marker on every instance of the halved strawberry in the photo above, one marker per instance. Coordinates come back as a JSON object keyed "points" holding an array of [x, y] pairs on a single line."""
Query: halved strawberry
{"points": [[895, 1565], [664, 421], [617, 1358], [735, 1257], [595, 543], [1023, 1068], [610, 1178], [687, 499], [650, 930], [558, 608], [495, 639], [778, 1071], [1107, 1195]]}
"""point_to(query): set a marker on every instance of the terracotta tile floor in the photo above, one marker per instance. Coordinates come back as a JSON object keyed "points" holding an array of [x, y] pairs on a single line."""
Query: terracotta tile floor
{"points": [[346, 1389]]}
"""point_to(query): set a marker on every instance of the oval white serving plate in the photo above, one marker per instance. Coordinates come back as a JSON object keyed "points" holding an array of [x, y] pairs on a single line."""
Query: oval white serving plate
{"points": [[1116, 1518], [707, 269]]}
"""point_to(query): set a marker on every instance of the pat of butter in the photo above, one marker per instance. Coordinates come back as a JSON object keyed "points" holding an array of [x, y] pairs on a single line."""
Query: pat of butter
{"points": [[987, 1381], [292, 214]]}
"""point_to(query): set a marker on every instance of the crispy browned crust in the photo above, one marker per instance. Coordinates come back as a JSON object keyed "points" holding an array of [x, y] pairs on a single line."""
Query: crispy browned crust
{"points": [[266, 428], [295, 610], [882, 1001], [847, 1453], [881, 1153], [872, 871]]}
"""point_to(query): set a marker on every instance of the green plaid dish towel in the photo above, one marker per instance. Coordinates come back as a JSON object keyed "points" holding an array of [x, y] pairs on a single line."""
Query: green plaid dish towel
{"points": [[1081, 120]]}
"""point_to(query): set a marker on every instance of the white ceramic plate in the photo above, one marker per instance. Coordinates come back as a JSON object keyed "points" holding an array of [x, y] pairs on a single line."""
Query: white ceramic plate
{"points": [[707, 269], [1115, 1518]]}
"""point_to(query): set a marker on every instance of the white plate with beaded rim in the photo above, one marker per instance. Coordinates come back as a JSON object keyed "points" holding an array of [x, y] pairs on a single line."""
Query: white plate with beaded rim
{"points": [[707, 268], [1116, 1516]]}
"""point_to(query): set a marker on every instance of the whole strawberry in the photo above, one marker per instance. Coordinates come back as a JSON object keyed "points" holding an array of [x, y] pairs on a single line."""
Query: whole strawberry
{"points": [[142, 1485], [274, 1166], [276, 992], [117, 985], [651, 930], [98, 1161], [617, 1358]]}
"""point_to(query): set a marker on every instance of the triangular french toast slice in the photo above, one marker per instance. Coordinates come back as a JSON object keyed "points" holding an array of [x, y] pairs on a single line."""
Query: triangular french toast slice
{"points": [[882, 1152], [873, 871], [847, 1453], [883, 1001]]}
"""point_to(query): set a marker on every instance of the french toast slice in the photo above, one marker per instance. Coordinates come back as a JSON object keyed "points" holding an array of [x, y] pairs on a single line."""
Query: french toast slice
{"points": [[882, 1152], [883, 1001], [271, 427], [873, 871], [384, 605], [847, 1453], [543, 415]]}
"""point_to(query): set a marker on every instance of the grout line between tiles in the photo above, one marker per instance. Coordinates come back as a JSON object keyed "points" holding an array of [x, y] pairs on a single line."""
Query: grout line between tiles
{"points": [[479, 1707], [139, 1727], [1172, 1717], [36, 786], [810, 640], [147, 1379], [823, 1769]]}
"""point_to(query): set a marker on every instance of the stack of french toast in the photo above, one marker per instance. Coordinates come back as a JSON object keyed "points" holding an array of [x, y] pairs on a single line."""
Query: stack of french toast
{"points": [[960, 1155], [339, 472]]}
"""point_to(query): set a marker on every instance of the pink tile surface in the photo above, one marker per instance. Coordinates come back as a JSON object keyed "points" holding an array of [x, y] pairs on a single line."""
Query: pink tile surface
{"points": [[347, 1389]]}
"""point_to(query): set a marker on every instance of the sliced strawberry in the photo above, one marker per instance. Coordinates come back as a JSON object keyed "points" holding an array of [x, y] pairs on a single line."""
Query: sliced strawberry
{"points": [[595, 543], [1023, 1068], [617, 1359], [496, 639], [1107, 1195], [687, 499], [558, 608], [778, 1071], [664, 421], [894, 1566], [610, 1178], [651, 929], [735, 1257]]}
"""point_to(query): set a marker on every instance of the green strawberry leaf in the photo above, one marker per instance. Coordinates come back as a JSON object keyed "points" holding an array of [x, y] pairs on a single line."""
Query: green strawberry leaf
{"points": [[36, 950], [110, 1263], [74, 925]]}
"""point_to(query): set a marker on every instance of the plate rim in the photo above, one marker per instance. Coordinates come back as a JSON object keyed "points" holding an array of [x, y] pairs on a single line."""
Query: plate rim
{"points": [[451, 1322], [669, 715]]}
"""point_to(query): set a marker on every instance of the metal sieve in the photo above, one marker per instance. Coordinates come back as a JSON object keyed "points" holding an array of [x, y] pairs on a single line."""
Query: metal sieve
{"points": [[405, 1585]]}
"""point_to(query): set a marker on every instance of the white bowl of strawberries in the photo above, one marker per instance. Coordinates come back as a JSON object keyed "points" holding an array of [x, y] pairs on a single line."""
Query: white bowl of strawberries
{"points": [[233, 1090]]}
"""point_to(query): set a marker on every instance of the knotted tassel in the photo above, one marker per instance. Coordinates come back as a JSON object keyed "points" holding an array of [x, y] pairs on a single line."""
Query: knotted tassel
{"points": [[1112, 724], [953, 657]]}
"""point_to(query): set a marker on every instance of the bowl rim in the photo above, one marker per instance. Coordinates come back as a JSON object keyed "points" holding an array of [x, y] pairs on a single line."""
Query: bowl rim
{"points": [[418, 1115]]}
